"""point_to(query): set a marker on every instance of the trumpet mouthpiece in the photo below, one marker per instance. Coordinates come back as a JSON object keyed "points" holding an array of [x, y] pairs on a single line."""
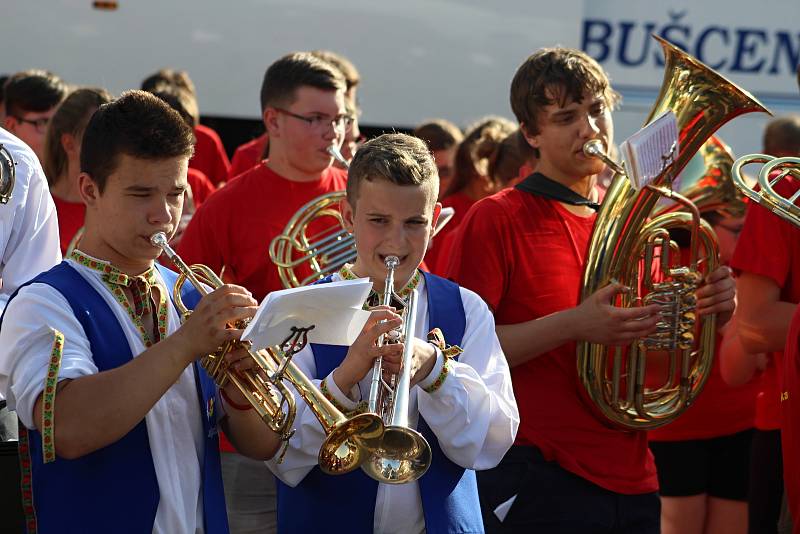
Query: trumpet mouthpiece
{"points": [[159, 239], [391, 262]]}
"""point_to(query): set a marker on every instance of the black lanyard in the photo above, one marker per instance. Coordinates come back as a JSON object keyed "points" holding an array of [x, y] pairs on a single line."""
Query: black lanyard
{"points": [[540, 185]]}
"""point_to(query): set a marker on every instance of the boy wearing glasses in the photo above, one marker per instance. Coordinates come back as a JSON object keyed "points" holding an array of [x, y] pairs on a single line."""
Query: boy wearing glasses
{"points": [[251, 153], [304, 111], [31, 98]]}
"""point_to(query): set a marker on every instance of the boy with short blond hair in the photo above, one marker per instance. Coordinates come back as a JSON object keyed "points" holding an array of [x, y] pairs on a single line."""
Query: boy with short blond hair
{"points": [[460, 399]]}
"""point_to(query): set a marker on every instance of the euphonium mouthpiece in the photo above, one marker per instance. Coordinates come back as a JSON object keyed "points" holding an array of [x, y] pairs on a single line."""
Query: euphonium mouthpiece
{"points": [[595, 148], [159, 239]]}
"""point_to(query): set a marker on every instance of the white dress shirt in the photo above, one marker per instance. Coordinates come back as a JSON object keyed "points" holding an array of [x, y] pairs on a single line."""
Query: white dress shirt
{"points": [[28, 224], [473, 414], [174, 424]]}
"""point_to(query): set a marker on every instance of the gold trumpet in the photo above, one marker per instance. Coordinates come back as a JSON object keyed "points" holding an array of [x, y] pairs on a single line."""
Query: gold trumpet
{"points": [[404, 454], [773, 171], [348, 440], [624, 243]]}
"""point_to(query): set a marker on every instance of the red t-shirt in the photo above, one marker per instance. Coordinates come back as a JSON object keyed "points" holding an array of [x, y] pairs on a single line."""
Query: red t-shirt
{"points": [[436, 257], [236, 225], [70, 219], [209, 155], [790, 420], [247, 156], [769, 246], [201, 186], [719, 410], [524, 255]]}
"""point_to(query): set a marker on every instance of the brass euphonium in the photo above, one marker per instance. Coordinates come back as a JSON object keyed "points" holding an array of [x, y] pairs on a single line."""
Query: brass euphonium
{"points": [[348, 440], [624, 243], [708, 183], [404, 454], [773, 171]]}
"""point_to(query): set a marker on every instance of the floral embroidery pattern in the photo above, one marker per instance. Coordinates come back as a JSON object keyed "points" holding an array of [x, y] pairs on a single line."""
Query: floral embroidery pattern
{"points": [[49, 399], [115, 280]]}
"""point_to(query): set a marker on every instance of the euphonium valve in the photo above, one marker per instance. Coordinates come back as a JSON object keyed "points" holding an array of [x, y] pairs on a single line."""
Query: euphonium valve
{"points": [[348, 440], [404, 454]]}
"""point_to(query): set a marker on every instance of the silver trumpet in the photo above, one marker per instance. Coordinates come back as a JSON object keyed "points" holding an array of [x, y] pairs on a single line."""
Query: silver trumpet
{"points": [[404, 454]]}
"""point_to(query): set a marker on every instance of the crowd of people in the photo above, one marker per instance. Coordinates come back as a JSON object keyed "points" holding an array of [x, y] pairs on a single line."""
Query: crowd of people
{"points": [[120, 429]]}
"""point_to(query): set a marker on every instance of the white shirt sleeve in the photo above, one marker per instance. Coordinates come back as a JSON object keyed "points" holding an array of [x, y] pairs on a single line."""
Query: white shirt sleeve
{"points": [[301, 453], [28, 223], [26, 343], [473, 414]]}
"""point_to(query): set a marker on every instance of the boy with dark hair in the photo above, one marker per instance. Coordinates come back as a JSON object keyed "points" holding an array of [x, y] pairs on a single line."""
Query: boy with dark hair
{"points": [[251, 153], [524, 254], [303, 100], [442, 138], [31, 98], [460, 398], [99, 336]]}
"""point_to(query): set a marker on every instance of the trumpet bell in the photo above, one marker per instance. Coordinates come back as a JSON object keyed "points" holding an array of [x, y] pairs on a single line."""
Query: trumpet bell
{"points": [[349, 443], [403, 456]]}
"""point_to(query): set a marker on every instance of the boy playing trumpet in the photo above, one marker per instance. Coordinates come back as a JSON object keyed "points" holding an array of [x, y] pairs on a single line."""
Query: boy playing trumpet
{"points": [[132, 446], [460, 400]]}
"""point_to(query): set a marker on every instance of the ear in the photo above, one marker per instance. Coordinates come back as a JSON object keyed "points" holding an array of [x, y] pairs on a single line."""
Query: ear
{"points": [[68, 143], [348, 215], [270, 117], [437, 210], [10, 123], [532, 140], [88, 189]]}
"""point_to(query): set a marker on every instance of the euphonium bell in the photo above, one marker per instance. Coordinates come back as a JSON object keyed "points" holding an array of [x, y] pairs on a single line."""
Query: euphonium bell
{"points": [[404, 454], [348, 440], [624, 243]]}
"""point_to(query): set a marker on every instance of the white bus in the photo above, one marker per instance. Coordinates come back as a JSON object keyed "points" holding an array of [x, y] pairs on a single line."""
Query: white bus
{"points": [[418, 58]]}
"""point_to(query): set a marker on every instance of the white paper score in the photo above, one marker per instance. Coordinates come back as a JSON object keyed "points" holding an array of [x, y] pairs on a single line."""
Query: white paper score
{"points": [[334, 308]]}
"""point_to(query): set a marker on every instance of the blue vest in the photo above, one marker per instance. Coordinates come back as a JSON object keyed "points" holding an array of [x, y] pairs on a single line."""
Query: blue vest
{"points": [[347, 502], [114, 489]]}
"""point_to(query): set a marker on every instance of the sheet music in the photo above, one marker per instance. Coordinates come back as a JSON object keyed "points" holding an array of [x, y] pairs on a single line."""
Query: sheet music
{"points": [[651, 149], [335, 310]]}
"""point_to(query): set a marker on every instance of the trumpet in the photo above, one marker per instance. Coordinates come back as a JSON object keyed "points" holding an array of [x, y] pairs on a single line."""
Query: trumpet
{"points": [[348, 440], [404, 454], [773, 171]]}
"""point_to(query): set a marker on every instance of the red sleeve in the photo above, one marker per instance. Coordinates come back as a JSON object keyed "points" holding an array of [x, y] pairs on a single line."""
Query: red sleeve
{"points": [[477, 256], [764, 246], [241, 162], [201, 186], [247, 156], [210, 156], [199, 242]]}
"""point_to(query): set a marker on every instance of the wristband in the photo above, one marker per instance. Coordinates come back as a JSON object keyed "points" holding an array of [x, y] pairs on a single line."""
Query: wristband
{"points": [[234, 405]]}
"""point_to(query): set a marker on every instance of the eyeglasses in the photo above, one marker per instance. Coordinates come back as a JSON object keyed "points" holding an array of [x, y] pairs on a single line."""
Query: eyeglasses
{"points": [[40, 124], [321, 123]]}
